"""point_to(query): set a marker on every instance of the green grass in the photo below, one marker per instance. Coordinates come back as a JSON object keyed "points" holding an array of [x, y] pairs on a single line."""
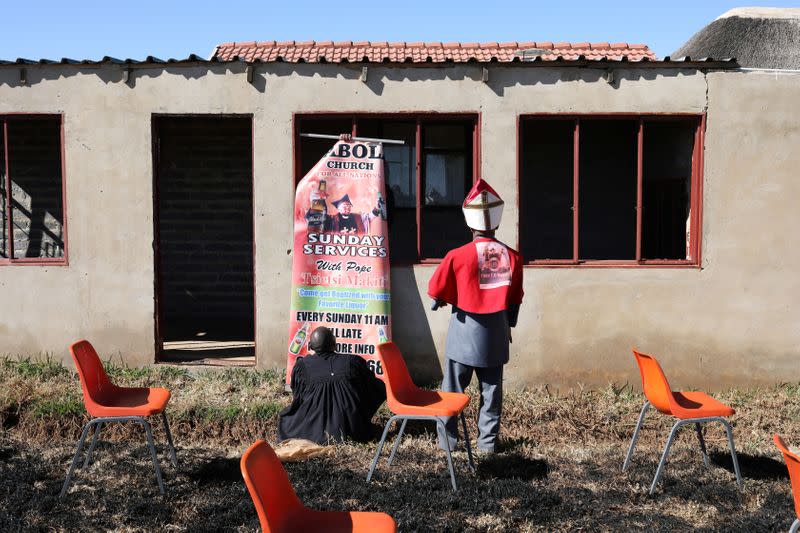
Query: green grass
{"points": [[57, 407], [47, 369], [243, 379], [127, 373], [209, 413], [265, 410], [26, 367], [42, 398], [792, 389], [138, 375], [558, 466]]}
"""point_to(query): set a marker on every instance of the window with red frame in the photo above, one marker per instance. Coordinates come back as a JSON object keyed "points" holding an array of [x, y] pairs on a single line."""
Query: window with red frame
{"points": [[612, 189], [31, 190], [427, 178]]}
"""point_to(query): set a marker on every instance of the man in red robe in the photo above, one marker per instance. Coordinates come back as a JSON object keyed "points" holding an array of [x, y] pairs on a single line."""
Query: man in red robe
{"points": [[482, 281]]}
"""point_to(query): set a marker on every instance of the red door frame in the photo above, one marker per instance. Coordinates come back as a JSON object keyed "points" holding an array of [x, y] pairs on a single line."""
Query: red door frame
{"points": [[35, 261]]}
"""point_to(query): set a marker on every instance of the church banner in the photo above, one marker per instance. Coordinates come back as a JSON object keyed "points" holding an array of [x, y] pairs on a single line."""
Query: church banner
{"points": [[340, 268]]}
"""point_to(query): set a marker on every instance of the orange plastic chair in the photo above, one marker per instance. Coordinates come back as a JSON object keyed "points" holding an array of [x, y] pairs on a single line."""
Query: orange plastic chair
{"points": [[107, 402], [688, 407], [793, 464], [408, 402], [279, 509]]}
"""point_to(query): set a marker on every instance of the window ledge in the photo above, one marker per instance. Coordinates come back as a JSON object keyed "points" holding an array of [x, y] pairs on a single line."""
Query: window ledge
{"points": [[614, 264], [415, 262], [33, 262]]}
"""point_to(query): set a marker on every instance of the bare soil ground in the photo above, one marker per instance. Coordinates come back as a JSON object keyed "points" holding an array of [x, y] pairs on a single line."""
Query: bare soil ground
{"points": [[558, 468]]}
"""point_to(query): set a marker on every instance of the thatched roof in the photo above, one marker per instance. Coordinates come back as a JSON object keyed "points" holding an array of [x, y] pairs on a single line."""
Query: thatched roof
{"points": [[758, 37]]}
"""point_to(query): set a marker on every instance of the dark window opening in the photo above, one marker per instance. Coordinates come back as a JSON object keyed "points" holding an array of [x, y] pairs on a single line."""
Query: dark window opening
{"points": [[666, 189], [445, 174], [546, 189], [205, 238], [607, 173], [401, 182], [446, 177], [30, 156], [636, 181]]}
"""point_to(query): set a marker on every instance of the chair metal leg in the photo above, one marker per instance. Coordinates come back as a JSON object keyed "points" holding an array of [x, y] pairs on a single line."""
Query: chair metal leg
{"points": [[664, 455], [397, 442], [380, 448], [466, 442], [174, 457], [149, 432], [67, 481], [729, 431], [699, 429], [449, 456], [97, 430], [795, 526], [639, 423]]}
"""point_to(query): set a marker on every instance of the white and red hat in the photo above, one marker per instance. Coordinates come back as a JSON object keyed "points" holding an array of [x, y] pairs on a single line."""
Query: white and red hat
{"points": [[483, 207]]}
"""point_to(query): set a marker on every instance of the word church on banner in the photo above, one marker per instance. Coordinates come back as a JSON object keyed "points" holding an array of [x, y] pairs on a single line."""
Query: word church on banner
{"points": [[340, 268]]}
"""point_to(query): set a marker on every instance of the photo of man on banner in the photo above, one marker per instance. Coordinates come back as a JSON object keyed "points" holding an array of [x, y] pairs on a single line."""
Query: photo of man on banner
{"points": [[345, 221]]}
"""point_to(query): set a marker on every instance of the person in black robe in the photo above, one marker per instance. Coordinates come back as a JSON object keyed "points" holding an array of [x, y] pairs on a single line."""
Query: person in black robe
{"points": [[335, 395]]}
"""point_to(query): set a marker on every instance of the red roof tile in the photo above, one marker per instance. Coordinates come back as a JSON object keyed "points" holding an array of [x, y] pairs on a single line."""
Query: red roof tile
{"points": [[421, 52]]}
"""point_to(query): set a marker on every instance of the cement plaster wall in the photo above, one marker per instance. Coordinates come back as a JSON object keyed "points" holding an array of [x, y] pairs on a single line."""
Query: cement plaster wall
{"points": [[735, 321]]}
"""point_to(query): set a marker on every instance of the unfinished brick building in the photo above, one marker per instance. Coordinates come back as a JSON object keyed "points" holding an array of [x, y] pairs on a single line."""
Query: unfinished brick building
{"points": [[147, 205]]}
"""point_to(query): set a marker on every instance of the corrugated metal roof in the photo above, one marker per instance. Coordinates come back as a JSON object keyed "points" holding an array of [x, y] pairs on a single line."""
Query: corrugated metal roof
{"points": [[107, 60], [527, 55], [688, 59]]}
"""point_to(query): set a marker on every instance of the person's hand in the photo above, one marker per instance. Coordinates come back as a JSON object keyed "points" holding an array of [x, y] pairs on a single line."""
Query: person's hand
{"points": [[377, 209], [437, 304], [346, 137]]}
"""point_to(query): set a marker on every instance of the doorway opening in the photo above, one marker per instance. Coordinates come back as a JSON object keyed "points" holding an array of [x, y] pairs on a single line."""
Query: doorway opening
{"points": [[203, 205]]}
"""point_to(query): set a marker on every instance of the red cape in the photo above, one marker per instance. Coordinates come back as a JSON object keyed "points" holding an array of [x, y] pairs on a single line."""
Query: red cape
{"points": [[484, 276]]}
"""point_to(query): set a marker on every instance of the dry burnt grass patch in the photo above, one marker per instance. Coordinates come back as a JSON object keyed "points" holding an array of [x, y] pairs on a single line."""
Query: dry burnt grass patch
{"points": [[558, 467]]}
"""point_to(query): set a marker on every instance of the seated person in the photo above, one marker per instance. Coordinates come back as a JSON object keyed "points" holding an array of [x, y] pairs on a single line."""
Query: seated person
{"points": [[335, 396]]}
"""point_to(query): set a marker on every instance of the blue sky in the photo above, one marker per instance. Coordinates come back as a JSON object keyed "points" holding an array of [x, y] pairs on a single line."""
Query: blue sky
{"points": [[138, 28]]}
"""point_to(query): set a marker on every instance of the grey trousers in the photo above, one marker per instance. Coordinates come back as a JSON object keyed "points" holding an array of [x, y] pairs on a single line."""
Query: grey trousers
{"points": [[490, 384]]}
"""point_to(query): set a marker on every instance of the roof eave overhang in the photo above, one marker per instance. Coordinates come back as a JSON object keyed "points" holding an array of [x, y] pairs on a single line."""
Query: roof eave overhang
{"points": [[194, 61]]}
